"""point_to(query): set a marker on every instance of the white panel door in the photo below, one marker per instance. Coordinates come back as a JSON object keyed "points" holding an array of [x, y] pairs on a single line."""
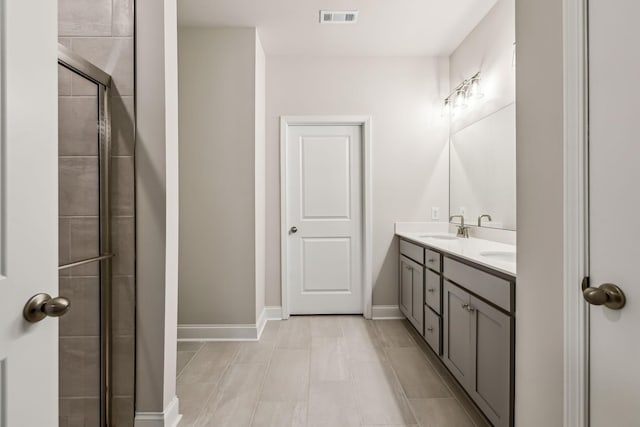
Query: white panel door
{"points": [[614, 172], [28, 210], [324, 215]]}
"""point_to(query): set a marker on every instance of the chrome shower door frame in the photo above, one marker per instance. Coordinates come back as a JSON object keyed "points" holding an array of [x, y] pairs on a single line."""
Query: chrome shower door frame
{"points": [[81, 66]]}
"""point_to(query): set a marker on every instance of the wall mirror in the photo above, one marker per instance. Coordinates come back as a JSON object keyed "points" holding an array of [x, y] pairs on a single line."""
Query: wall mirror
{"points": [[483, 170]]}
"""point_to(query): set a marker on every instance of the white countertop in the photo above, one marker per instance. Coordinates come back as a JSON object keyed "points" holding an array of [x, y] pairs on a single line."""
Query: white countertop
{"points": [[467, 248]]}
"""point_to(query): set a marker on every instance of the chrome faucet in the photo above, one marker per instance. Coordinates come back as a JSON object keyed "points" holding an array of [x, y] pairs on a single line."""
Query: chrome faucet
{"points": [[462, 230], [483, 216]]}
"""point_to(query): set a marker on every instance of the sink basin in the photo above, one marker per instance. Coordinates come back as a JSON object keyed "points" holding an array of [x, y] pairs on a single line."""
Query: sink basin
{"points": [[441, 236], [505, 256]]}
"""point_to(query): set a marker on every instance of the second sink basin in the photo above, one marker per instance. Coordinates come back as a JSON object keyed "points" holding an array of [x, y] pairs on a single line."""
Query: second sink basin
{"points": [[505, 256], [440, 236]]}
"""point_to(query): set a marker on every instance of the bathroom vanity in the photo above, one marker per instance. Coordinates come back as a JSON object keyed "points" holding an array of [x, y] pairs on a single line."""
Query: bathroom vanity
{"points": [[459, 294]]}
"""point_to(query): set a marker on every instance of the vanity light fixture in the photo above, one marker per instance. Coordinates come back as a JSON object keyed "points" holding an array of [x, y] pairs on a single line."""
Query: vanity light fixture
{"points": [[467, 90]]}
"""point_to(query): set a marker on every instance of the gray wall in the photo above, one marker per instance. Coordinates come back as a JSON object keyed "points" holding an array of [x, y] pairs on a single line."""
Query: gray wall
{"points": [[539, 118], [220, 243], [102, 32], [410, 152]]}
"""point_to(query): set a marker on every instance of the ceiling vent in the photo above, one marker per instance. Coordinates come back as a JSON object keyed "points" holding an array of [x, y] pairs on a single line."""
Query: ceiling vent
{"points": [[338, 16]]}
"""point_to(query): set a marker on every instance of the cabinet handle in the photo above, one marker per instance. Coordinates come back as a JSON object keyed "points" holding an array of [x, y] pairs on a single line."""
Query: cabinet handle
{"points": [[431, 290], [431, 261], [465, 306], [430, 329], [469, 308]]}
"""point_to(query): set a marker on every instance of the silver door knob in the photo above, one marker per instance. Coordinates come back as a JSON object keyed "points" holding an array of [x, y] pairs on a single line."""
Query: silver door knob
{"points": [[606, 294], [42, 305], [293, 230]]}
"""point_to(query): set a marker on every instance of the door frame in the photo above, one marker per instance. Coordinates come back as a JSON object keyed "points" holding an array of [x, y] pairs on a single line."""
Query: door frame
{"points": [[367, 230], [576, 211]]}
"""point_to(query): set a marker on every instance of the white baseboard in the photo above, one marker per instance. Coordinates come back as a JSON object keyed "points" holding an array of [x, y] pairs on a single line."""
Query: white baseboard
{"points": [[227, 332], [170, 417], [386, 312]]}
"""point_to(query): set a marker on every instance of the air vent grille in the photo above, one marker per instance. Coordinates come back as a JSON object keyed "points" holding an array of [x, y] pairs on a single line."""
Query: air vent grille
{"points": [[338, 16]]}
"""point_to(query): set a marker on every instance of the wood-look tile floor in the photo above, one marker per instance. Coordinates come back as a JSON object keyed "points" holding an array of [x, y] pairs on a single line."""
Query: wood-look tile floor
{"points": [[313, 371]]}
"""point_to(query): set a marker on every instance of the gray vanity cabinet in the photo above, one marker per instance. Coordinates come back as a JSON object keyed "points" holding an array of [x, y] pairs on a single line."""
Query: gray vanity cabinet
{"points": [[412, 292], [477, 351]]}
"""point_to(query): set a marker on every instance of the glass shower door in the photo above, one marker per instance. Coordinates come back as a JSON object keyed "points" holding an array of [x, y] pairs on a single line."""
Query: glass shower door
{"points": [[84, 273]]}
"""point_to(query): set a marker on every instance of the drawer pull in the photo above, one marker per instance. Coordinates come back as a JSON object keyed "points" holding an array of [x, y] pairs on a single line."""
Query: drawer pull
{"points": [[430, 329], [431, 261], [431, 290], [469, 308]]}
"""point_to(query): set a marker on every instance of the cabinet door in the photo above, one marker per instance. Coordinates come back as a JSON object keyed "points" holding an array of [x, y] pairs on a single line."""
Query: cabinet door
{"points": [[457, 339], [491, 335], [417, 311], [406, 287]]}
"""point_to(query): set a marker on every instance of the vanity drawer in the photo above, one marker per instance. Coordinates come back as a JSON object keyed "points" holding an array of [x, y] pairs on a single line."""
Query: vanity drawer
{"points": [[490, 287], [432, 327], [412, 251], [432, 260], [432, 290]]}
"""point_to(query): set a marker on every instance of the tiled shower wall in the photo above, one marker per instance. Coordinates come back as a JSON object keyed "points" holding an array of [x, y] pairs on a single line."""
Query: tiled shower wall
{"points": [[102, 32]]}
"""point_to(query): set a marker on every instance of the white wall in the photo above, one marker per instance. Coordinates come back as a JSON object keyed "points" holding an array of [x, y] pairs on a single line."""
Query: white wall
{"points": [[156, 207], [539, 118], [410, 152], [488, 49], [260, 174], [221, 82]]}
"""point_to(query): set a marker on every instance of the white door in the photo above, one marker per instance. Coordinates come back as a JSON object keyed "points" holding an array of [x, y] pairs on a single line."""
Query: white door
{"points": [[29, 211], [614, 151], [324, 219]]}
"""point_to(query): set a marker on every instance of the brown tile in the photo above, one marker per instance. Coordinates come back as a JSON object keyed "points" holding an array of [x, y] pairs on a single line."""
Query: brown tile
{"points": [[79, 189], [122, 126], [333, 404], [287, 377], [209, 364], [79, 366], [80, 18], [64, 241], [280, 414], [83, 317], [122, 186], [123, 305], [123, 411], [114, 56], [81, 86], [440, 413], [78, 126], [84, 236], [123, 366], [64, 82], [123, 246], [236, 398], [79, 412], [123, 18], [417, 377]]}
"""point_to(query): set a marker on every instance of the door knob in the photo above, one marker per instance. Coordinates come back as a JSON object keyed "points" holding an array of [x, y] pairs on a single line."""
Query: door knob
{"points": [[607, 294], [294, 230], [42, 305]]}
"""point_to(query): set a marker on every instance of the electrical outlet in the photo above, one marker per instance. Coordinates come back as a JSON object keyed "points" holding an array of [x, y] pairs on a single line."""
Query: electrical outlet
{"points": [[435, 213]]}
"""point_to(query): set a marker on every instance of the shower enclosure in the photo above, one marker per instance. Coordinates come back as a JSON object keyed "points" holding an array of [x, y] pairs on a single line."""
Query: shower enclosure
{"points": [[85, 362]]}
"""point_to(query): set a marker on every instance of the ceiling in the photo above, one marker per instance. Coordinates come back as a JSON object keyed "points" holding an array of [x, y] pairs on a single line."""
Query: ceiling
{"points": [[384, 28]]}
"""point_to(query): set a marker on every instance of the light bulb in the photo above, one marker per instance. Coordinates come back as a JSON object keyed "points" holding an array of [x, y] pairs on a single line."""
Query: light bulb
{"points": [[459, 101], [474, 91]]}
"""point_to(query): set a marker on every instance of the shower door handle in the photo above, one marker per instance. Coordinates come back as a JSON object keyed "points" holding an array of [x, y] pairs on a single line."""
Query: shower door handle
{"points": [[42, 305]]}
